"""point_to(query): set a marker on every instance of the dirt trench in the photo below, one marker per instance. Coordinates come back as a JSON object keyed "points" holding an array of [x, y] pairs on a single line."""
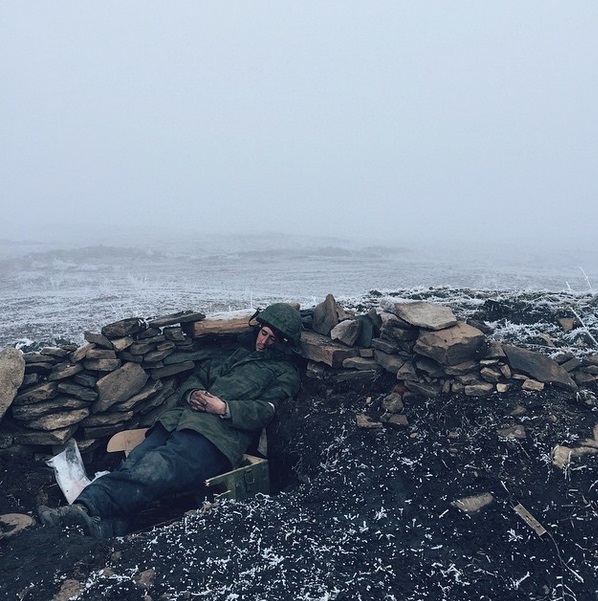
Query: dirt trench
{"points": [[358, 513]]}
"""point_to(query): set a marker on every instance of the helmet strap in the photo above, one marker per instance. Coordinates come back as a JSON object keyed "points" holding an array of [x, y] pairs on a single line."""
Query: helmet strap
{"points": [[253, 318]]}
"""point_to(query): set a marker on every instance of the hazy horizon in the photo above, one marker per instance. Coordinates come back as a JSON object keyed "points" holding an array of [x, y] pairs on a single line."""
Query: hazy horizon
{"points": [[393, 122]]}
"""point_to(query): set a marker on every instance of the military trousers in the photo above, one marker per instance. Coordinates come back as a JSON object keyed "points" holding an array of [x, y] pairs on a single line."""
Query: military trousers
{"points": [[164, 463]]}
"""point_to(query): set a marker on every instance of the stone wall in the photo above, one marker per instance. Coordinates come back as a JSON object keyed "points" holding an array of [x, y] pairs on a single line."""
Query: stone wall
{"points": [[126, 375]]}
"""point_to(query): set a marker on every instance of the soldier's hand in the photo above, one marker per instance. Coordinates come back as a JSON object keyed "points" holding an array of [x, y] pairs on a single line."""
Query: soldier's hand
{"points": [[202, 400]]}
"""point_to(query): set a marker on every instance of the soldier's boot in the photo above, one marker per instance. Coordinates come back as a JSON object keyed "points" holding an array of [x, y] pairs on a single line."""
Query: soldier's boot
{"points": [[76, 514]]}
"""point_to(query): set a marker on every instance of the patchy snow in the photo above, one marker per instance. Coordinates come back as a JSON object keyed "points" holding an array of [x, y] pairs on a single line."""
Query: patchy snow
{"points": [[368, 515], [58, 294]]}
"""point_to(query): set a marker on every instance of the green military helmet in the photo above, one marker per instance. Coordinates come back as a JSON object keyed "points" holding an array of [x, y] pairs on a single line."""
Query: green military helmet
{"points": [[284, 319]]}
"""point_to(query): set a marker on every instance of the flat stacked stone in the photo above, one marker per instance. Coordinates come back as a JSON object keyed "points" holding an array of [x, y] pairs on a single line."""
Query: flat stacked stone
{"points": [[128, 374]]}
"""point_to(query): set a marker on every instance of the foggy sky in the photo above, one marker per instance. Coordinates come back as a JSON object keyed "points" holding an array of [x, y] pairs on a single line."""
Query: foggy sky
{"points": [[393, 120]]}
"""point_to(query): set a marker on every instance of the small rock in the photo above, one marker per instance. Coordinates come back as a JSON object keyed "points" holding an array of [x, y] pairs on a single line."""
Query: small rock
{"points": [[393, 403], [532, 385], [473, 503], [424, 389], [566, 323], [384, 345], [360, 363], [483, 389], [11, 523], [363, 421], [490, 375], [513, 432], [561, 456], [396, 420], [70, 589], [145, 579], [572, 364]]}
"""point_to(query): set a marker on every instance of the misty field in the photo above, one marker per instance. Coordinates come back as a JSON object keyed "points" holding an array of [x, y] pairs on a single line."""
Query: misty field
{"points": [[55, 293]]}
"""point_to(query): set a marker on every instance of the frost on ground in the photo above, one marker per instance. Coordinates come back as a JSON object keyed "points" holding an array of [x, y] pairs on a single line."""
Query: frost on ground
{"points": [[58, 294], [362, 514], [359, 514]]}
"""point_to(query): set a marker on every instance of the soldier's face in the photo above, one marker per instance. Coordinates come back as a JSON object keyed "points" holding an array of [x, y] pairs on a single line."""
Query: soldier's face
{"points": [[265, 338]]}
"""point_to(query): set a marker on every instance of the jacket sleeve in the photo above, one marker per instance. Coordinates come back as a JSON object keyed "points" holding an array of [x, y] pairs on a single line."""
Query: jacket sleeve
{"points": [[255, 414], [202, 377]]}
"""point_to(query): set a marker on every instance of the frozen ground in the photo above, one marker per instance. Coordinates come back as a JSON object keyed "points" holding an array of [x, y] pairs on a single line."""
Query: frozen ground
{"points": [[51, 292], [364, 515]]}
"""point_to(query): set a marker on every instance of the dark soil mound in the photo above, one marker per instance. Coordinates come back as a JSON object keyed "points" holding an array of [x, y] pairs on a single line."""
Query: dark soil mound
{"points": [[361, 513]]}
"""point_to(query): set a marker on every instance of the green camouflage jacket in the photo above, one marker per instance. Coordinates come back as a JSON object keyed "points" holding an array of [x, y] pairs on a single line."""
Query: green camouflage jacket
{"points": [[251, 382]]}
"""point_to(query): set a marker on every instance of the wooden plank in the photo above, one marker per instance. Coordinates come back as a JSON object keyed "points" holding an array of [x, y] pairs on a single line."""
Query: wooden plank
{"points": [[217, 327], [529, 519]]}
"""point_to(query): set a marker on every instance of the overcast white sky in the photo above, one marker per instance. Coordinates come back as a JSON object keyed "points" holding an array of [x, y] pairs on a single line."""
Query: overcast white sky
{"points": [[399, 120]]}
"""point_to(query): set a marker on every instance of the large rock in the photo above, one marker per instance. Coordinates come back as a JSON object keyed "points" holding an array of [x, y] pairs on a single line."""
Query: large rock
{"points": [[124, 327], [58, 421], [98, 339], [57, 404], [52, 437], [171, 370], [176, 318], [62, 371], [32, 358], [159, 400], [119, 385], [385, 346], [538, 366], [107, 419], [317, 347], [149, 390], [391, 363], [39, 392], [450, 346], [367, 328], [101, 364], [346, 331], [325, 316], [425, 389], [12, 372], [422, 314], [76, 390], [81, 352], [199, 355]]}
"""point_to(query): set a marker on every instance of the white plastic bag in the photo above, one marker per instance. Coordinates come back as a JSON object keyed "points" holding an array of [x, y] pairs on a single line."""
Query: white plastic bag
{"points": [[69, 471]]}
